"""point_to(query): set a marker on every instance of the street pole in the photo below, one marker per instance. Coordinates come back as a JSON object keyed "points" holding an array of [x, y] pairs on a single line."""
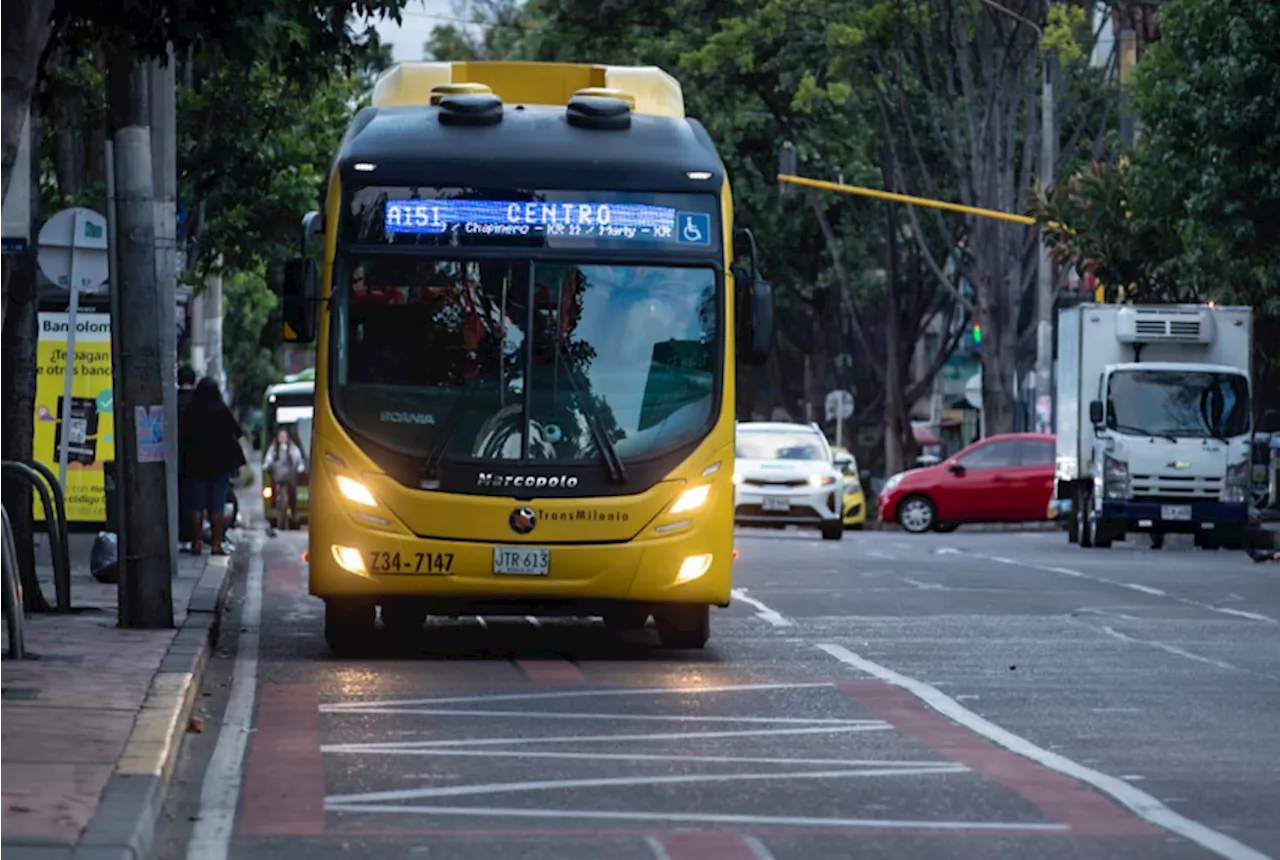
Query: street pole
{"points": [[146, 571], [1128, 59], [164, 176], [1044, 292]]}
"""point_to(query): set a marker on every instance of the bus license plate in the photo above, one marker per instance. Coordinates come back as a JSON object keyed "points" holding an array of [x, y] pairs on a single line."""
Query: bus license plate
{"points": [[770, 503], [1175, 512], [521, 561]]}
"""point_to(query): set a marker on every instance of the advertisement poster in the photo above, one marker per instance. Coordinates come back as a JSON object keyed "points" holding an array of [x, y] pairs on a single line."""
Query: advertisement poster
{"points": [[88, 419]]}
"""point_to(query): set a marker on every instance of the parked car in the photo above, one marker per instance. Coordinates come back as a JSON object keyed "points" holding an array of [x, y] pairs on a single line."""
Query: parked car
{"points": [[786, 475], [1006, 478], [855, 499]]}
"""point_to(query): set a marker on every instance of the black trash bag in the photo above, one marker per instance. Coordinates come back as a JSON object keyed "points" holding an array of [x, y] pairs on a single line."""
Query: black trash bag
{"points": [[104, 558]]}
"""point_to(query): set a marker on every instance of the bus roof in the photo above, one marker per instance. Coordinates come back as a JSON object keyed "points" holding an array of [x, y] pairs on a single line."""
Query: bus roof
{"points": [[652, 90], [291, 388], [532, 146]]}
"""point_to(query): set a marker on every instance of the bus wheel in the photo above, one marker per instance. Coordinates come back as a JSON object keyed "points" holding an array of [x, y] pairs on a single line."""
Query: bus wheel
{"points": [[403, 620], [683, 625], [626, 619], [348, 624]]}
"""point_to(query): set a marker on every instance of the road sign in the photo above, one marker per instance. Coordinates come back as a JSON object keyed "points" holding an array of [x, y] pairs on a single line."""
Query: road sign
{"points": [[73, 254], [973, 390], [73, 247], [839, 405]]}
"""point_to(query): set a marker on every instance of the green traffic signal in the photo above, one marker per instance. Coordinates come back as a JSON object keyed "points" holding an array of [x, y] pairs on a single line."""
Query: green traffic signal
{"points": [[977, 333]]}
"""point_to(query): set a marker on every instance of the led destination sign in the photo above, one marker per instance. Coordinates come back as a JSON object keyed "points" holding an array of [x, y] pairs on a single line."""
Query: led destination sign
{"points": [[584, 220]]}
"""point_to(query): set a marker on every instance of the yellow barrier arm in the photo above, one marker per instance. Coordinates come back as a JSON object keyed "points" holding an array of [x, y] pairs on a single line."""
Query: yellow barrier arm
{"points": [[906, 198]]}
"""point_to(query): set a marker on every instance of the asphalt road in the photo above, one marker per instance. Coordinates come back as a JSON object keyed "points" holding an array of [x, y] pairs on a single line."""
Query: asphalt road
{"points": [[972, 695]]}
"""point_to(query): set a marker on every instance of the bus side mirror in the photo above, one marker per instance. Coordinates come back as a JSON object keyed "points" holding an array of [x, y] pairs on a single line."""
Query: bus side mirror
{"points": [[300, 299], [755, 332], [1095, 412]]}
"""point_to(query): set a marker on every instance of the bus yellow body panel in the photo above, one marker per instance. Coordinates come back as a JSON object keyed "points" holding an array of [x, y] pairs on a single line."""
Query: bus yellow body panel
{"points": [[654, 91], [636, 559]]}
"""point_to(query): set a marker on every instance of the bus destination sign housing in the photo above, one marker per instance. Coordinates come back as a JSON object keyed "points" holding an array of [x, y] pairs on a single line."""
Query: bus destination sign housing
{"points": [[427, 216], [630, 222]]}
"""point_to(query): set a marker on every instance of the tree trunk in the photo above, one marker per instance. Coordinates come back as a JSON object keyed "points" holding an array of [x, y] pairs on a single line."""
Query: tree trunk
{"points": [[997, 262], [18, 394], [26, 30]]}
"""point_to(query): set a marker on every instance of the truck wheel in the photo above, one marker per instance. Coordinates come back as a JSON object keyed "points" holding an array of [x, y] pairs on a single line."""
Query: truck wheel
{"points": [[348, 624], [1086, 521], [1103, 533], [683, 626], [917, 514], [833, 530]]}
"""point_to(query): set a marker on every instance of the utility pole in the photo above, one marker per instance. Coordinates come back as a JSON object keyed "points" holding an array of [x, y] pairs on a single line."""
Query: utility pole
{"points": [[1044, 283], [164, 173], [147, 565], [1128, 59]]}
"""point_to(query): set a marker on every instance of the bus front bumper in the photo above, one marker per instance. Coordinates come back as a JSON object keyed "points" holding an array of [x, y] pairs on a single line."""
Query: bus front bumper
{"points": [[693, 566]]}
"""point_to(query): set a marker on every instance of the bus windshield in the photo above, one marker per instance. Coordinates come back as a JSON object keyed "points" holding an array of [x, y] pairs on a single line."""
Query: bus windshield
{"points": [[431, 357]]}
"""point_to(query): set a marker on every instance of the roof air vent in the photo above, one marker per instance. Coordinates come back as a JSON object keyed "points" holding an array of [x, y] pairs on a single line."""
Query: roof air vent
{"points": [[463, 88], [609, 112], [471, 109]]}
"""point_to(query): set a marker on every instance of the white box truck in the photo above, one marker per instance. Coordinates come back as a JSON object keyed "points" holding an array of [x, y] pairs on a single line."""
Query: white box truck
{"points": [[1153, 422]]}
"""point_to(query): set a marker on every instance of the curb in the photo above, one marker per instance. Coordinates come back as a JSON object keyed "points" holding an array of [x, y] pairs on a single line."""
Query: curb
{"points": [[124, 825]]}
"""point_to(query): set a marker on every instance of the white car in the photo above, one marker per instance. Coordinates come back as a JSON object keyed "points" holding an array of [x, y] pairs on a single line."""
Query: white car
{"points": [[785, 474]]}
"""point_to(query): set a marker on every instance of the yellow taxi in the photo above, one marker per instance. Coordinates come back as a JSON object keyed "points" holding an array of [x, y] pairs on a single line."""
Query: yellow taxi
{"points": [[855, 503]]}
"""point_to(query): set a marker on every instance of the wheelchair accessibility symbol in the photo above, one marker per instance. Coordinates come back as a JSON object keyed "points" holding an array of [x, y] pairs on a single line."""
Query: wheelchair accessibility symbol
{"points": [[694, 228]]}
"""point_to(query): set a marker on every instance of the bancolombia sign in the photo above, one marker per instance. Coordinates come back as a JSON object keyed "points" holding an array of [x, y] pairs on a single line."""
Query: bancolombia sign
{"points": [[531, 482]]}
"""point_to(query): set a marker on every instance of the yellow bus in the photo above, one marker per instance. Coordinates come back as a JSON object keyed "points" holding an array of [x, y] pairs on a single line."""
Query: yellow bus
{"points": [[527, 310]]}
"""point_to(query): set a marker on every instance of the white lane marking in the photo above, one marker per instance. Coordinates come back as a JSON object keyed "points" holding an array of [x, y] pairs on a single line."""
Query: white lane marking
{"points": [[570, 694], [1139, 802], [659, 852], [947, 550], [873, 553], [660, 736], [697, 818], [1252, 616], [593, 715], [220, 791], [765, 613], [1182, 652], [757, 848], [357, 748], [926, 586], [438, 791], [1143, 589]]}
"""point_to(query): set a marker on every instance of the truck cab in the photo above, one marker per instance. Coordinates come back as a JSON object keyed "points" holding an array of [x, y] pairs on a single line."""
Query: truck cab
{"points": [[1154, 422]]}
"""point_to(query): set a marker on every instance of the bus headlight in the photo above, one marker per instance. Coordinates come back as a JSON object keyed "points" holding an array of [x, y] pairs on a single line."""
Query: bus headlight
{"points": [[349, 559], [693, 567], [691, 500], [356, 491]]}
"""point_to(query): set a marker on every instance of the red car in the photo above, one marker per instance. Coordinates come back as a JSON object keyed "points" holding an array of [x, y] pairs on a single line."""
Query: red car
{"points": [[1006, 478]]}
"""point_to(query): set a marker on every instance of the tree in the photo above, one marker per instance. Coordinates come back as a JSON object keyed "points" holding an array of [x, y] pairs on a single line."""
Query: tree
{"points": [[302, 44], [1207, 167], [484, 30]]}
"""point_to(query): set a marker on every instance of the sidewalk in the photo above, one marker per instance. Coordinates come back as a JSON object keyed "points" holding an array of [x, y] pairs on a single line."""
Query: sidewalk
{"points": [[93, 725]]}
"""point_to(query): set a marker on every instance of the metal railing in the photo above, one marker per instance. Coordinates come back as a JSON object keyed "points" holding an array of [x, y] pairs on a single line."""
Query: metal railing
{"points": [[13, 609], [52, 500]]}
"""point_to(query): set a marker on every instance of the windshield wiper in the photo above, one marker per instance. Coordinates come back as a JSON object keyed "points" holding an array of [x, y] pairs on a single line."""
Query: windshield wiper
{"points": [[1142, 431], [617, 472], [431, 465]]}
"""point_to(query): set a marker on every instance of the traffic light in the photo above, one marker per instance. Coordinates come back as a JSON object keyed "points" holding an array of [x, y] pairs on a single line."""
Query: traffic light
{"points": [[976, 334], [787, 165]]}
